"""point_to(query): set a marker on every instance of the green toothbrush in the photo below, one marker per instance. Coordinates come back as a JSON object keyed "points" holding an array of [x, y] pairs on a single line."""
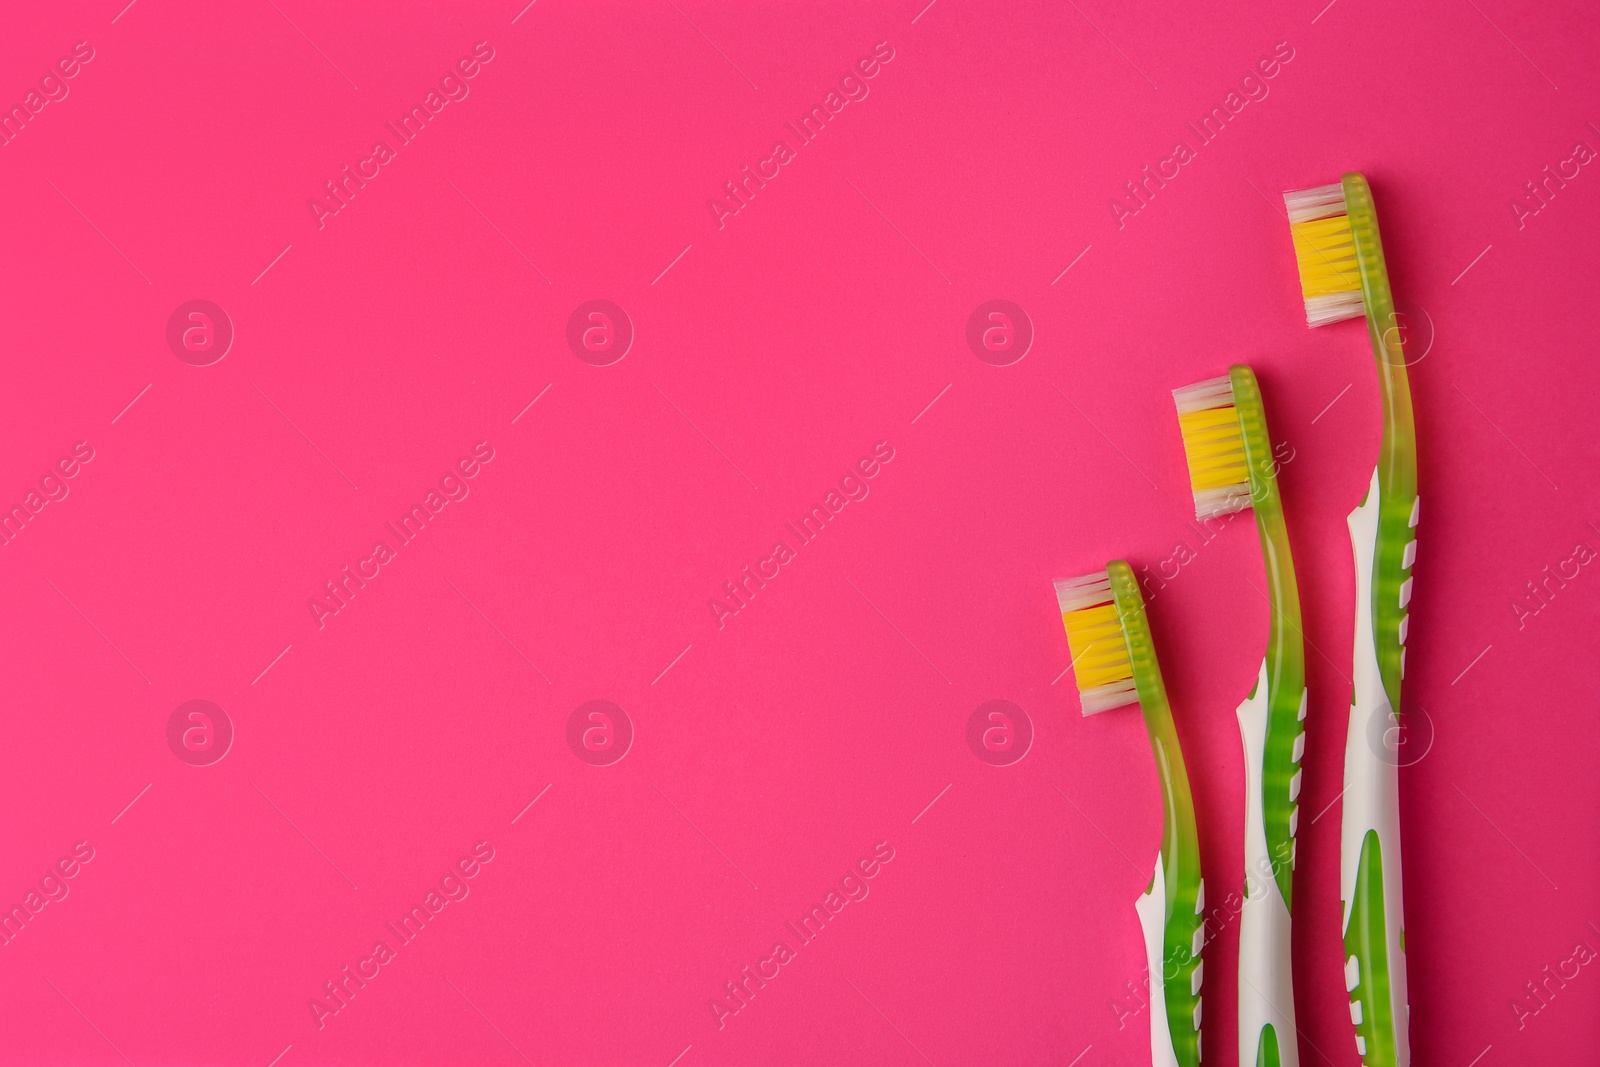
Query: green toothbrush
{"points": [[1342, 276], [1116, 665], [1232, 466]]}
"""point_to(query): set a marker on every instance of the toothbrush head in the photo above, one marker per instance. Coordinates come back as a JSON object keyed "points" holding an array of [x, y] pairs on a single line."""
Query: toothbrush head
{"points": [[1213, 443], [1099, 649], [1325, 249]]}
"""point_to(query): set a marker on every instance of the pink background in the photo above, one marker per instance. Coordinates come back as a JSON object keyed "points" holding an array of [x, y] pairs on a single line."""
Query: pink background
{"points": [[772, 753]]}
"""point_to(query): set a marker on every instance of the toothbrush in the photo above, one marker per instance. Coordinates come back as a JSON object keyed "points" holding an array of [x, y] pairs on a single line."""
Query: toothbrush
{"points": [[1342, 276], [1232, 467], [1116, 665]]}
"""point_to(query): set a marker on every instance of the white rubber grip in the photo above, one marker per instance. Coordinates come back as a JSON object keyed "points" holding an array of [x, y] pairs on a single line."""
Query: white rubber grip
{"points": [[1266, 986], [1372, 786], [1152, 909]]}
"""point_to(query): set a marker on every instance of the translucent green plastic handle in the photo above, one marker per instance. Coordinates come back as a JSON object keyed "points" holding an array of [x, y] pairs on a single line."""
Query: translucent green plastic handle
{"points": [[1286, 657], [1177, 887], [1395, 549]]}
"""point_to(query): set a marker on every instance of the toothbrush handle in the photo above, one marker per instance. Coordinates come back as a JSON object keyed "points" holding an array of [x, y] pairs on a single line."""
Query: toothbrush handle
{"points": [[1172, 911], [1266, 987], [1175, 973], [1374, 933]]}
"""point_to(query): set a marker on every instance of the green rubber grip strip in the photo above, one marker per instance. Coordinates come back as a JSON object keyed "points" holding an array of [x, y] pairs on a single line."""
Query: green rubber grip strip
{"points": [[1286, 656], [1180, 844], [1365, 940], [1397, 454], [1267, 1048]]}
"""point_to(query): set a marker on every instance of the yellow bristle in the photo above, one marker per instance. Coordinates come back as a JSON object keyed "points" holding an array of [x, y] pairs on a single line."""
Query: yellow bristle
{"points": [[1099, 650], [1325, 250], [1214, 445]]}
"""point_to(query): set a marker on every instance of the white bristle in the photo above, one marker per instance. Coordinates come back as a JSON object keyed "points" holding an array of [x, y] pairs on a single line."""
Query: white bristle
{"points": [[1105, 697], [1213, 503], [1201, 396], [1334, 307], [1319, 202], [1075, 594]]}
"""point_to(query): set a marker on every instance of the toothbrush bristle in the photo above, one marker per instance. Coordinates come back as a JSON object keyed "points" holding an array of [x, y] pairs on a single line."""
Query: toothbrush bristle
{"points": [[1094, 636], [1213, 442], [1325, 251]]}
